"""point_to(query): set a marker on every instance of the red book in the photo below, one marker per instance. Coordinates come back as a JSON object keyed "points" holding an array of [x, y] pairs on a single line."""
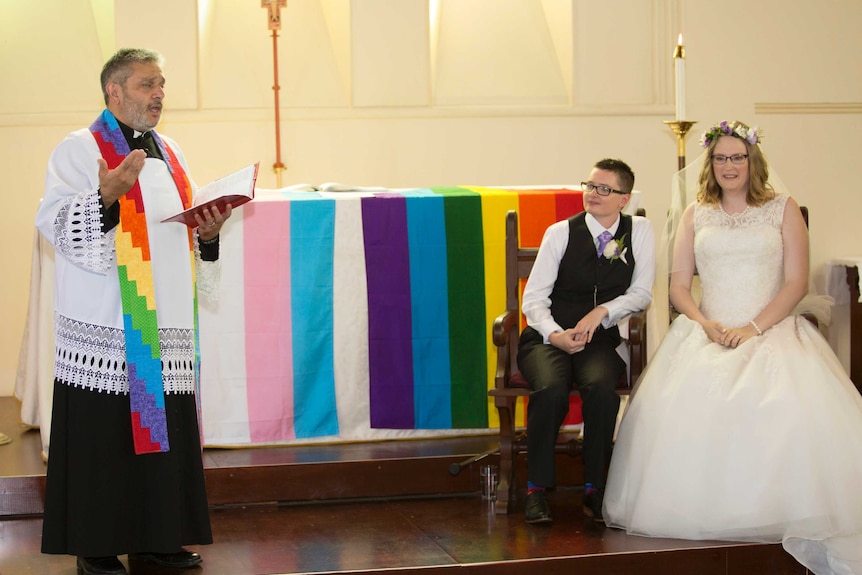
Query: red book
{"points": [[235, 189]]}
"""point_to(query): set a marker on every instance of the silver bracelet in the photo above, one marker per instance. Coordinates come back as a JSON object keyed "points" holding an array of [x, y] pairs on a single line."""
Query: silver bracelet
{"points": [[757, 329]]}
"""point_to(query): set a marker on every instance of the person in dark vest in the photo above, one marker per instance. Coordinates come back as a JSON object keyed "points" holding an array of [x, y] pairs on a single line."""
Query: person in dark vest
{"points": [[591, 271]]}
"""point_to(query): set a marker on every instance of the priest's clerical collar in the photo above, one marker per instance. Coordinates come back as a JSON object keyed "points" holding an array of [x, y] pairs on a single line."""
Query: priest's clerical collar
{"points": [[140, 141], [130, 133]]}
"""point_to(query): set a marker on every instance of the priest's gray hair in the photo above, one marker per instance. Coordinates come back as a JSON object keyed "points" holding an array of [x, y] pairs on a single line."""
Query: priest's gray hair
{"points": [[119, 68]]}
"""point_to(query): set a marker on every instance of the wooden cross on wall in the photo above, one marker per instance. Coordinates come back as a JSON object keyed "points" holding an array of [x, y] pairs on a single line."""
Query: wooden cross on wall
{"points": [[273, 8]]}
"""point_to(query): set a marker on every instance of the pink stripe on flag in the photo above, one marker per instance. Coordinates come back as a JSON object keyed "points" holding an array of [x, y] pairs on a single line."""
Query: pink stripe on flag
{"points": [[268, 325]]}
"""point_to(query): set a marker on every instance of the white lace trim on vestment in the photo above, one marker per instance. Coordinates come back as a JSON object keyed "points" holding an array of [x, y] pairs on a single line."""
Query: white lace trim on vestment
{"points": [[78, 234], [93, 357]]}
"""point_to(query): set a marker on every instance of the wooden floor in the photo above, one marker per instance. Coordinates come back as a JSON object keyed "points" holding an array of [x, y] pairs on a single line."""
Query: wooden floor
{"points": [[390, 507]]}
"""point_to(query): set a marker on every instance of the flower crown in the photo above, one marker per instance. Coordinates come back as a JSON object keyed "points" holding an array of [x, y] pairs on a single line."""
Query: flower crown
{"points": [[751, 135]]}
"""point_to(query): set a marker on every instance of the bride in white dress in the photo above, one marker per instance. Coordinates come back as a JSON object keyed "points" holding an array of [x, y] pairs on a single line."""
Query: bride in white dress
{"points": [[745, 426]]}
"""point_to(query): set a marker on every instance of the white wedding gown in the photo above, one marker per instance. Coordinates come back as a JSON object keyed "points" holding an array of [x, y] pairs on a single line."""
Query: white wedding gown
{"points": [[758, 443]]}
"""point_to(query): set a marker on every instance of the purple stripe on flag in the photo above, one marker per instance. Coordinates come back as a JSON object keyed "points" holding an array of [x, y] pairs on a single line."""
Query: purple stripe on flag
{"points": [[390, 336]]}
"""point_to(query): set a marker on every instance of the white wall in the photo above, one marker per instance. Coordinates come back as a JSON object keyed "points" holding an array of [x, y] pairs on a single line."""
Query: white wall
{"points": [[443, 92]]}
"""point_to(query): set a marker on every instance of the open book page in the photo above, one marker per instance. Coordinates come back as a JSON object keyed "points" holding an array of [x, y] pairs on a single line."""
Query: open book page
{"points": [[235, 189]]}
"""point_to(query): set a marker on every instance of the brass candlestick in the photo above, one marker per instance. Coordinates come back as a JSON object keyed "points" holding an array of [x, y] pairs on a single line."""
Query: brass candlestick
{"points": [[680, 128]]}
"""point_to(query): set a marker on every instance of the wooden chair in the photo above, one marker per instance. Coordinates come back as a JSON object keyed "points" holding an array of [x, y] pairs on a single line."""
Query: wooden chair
{"points": [[510, 385]]}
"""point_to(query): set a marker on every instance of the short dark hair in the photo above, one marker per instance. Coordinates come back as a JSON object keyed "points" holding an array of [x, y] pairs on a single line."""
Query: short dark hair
{"points": [[119, 67], [624, 173]]}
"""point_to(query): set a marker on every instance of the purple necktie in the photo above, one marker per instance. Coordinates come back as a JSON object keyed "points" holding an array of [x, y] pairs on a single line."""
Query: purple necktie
{"points": [[604, 238]]}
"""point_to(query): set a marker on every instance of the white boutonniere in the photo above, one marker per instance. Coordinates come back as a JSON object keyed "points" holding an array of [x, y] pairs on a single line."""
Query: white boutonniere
{"points": [[616, 250]]}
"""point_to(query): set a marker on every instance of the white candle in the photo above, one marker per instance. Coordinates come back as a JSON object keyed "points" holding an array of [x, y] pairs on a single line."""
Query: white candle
{"points": [[679, 68]]}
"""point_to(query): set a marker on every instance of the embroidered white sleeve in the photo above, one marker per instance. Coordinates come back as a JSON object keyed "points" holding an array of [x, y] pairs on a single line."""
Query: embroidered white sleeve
{"points": [[78, 234], [207, 276]]}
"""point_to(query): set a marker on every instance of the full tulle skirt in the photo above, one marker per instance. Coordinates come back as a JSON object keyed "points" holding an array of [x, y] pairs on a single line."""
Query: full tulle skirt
{"points": [[759, 443]]}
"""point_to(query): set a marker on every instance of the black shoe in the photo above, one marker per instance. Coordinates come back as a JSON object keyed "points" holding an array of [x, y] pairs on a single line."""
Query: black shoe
{"points": [[180, 559], [100, 566], [536, 508], [593, 505]]}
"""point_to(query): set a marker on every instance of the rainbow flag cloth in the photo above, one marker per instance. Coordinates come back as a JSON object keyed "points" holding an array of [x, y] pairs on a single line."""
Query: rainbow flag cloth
{"points": [[356, 316]]}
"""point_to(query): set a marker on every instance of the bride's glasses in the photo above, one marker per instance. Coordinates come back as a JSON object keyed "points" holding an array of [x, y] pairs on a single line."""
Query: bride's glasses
{"points": [[734, 159]]}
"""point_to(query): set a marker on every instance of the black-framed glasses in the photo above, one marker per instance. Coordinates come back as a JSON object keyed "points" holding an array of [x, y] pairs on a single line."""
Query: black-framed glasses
{"points": [[600, 189], [734, 159]]}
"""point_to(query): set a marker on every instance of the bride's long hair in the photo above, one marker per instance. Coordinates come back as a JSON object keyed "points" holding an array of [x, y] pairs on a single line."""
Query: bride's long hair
{"points": [[759, 189]]}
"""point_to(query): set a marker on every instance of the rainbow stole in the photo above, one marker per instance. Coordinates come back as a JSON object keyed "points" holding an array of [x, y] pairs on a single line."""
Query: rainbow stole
{"points": [[134, 268]]}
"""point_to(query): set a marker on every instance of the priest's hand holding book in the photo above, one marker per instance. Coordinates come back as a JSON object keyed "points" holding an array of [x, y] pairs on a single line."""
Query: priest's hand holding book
{"points": [[213, 203], [210, 221]]}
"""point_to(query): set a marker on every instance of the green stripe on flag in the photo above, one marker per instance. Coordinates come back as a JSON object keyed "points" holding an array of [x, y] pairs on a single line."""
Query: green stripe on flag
{"points": [[467, 329]]}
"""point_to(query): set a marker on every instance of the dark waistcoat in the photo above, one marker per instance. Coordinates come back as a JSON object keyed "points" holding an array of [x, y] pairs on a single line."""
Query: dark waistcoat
{"points": [[586, 279]]}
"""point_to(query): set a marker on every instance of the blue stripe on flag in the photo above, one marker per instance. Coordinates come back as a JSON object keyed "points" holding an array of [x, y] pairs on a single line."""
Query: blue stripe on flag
{"points": [[312, 238], [426, 230]]}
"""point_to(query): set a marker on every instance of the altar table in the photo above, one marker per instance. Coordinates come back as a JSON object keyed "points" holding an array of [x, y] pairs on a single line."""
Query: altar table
{"points": [[343, 316]]}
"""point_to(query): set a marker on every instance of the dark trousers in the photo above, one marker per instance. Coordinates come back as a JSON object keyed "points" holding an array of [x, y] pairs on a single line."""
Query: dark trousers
{"points": [[552, 373]]}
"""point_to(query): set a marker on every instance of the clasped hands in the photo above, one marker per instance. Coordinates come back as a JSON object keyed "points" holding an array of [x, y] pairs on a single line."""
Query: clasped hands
{"points": [[576, 338], [115, 183], [728, 337]]}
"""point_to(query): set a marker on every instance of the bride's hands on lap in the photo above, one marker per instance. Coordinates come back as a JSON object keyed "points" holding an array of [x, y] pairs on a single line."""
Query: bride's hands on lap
{"points": [[714, 330], [733, 337]]}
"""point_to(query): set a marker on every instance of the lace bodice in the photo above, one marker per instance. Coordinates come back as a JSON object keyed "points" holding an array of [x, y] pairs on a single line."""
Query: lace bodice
{"points": [[739, 259]]}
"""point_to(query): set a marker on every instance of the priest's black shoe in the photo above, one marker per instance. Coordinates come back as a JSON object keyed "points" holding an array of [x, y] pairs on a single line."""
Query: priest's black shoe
{"points": [[593, 505], [180, 559], [100, 566], [536, 508]]}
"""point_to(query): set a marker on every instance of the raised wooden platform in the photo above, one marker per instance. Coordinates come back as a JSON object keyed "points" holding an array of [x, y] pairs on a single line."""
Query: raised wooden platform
{"points": [[362, 508], [374, 470]]}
